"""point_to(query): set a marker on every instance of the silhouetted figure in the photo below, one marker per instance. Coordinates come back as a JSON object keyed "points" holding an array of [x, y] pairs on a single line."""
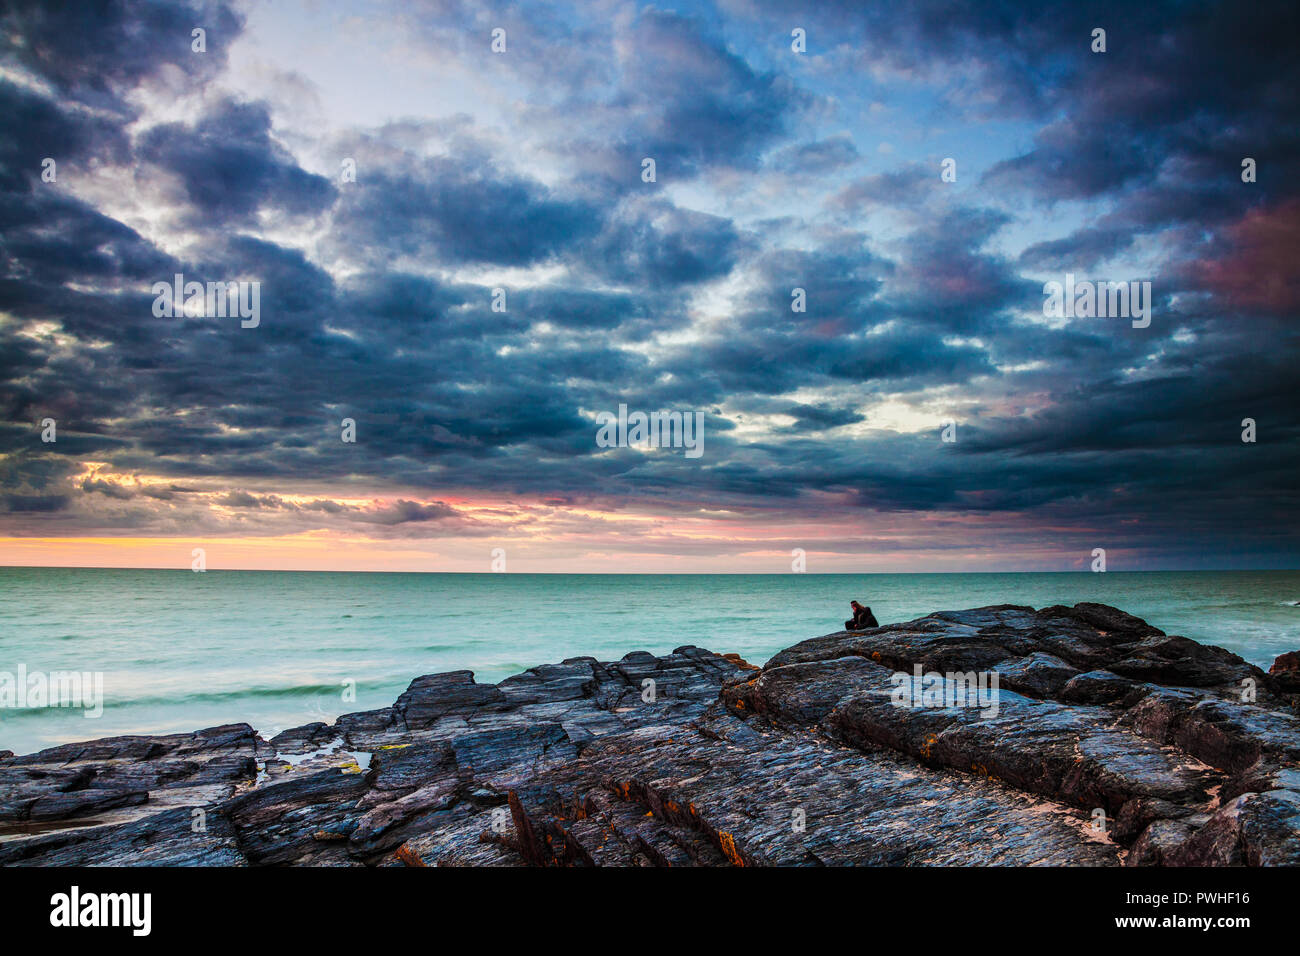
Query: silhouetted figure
{"points": [[862, 618]]}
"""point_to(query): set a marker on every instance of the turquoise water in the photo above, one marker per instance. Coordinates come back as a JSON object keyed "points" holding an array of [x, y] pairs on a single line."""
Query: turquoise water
{"points": [[180, 650]]}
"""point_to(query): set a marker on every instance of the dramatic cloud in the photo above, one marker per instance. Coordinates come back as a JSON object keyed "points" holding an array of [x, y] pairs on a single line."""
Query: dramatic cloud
{"points": [[462, 260]]}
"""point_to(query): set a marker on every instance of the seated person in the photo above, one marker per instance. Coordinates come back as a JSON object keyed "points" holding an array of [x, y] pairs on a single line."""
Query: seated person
{"points": [[862, 618]]}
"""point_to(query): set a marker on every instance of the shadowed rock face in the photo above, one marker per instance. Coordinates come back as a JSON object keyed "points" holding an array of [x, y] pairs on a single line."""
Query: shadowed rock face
{"points": [[1111, 743]]}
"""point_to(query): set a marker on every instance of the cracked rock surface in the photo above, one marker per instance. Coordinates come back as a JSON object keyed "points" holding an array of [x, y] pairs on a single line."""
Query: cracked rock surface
{"points": [[1111, 743]]}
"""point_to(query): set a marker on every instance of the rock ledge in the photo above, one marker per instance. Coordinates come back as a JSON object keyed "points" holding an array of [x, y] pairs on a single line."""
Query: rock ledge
{"points": [[1111, 743]]}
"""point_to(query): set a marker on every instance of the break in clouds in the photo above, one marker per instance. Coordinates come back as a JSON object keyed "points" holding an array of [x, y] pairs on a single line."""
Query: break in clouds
{"points": [[836, 257]]}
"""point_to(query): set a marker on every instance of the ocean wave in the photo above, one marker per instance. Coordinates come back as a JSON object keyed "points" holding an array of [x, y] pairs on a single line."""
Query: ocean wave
{"points": [[243, 693]]}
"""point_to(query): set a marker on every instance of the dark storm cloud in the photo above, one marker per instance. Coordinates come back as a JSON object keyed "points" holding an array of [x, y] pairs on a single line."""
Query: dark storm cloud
{"points": [[95, 51], [1161, 413], [241, 499], [34, 504], [868, 319], [1181, 95], [654, 243], [381, 309], [815, 418], [669, 83], [1162, 120], [951, 281], [581, 308], [35, 484], [842, 281], [1083, 249], [695, 103], [402, 512], [108, 488], [460, 211], [48, 239], [388, 320], [37, 128], [1054, 167], [386, 514], [230, 167]]}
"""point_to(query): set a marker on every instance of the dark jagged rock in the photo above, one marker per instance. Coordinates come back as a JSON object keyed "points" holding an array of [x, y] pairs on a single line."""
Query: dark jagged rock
{"points": [[1107, 743], [76, 781], [1286, 663], [167, 837], [1285, 674], [301, 819]]}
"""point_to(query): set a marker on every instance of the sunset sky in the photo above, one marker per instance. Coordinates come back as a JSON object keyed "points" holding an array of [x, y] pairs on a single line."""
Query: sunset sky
{"points": [[775, 170]]}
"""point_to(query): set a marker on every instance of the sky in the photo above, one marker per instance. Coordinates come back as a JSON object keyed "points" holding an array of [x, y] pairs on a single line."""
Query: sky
{"points": [[837, 264]]}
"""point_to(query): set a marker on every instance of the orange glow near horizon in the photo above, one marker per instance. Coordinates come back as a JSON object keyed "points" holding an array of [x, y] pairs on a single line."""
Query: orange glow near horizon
{"points": [[373, 532], [330, 551], [311, 551]]}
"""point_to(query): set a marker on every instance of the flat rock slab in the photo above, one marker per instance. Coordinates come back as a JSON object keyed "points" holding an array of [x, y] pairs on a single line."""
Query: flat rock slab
{"points": [[1094, 740]]}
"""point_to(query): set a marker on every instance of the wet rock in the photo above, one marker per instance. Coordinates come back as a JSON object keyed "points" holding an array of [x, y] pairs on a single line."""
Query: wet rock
{"points": [[805, 693], [437, 695], [1159, 842], [60, 806], [300, 740], [172, 837], [1038, 674], [1286, 663], [1137, 815], [1231, 736], [394, 821], [1096, 687], [288, 821], [1177, 660], [1107, 621], [1284, 677], [78, 780], [1254, 829], [1107, 742]]}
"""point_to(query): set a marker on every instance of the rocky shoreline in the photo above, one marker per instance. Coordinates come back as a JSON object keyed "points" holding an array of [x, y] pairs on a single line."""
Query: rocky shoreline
{"points": [[1110, 744]]}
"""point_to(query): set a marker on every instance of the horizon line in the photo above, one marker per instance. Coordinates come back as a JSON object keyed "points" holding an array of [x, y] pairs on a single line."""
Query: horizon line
{"points": [[64, 567]]}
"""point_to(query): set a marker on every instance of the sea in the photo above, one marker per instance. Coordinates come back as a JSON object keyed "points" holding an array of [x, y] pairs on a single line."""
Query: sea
{"points": [[178, 650]]}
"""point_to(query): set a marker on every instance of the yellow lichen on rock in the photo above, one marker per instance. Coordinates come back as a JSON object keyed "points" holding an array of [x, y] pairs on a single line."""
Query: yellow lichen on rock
{"points": [[728, 846]]}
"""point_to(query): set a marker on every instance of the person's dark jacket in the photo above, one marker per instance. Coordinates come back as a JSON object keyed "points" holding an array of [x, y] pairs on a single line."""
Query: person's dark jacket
{"points": [[862, 618]]}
